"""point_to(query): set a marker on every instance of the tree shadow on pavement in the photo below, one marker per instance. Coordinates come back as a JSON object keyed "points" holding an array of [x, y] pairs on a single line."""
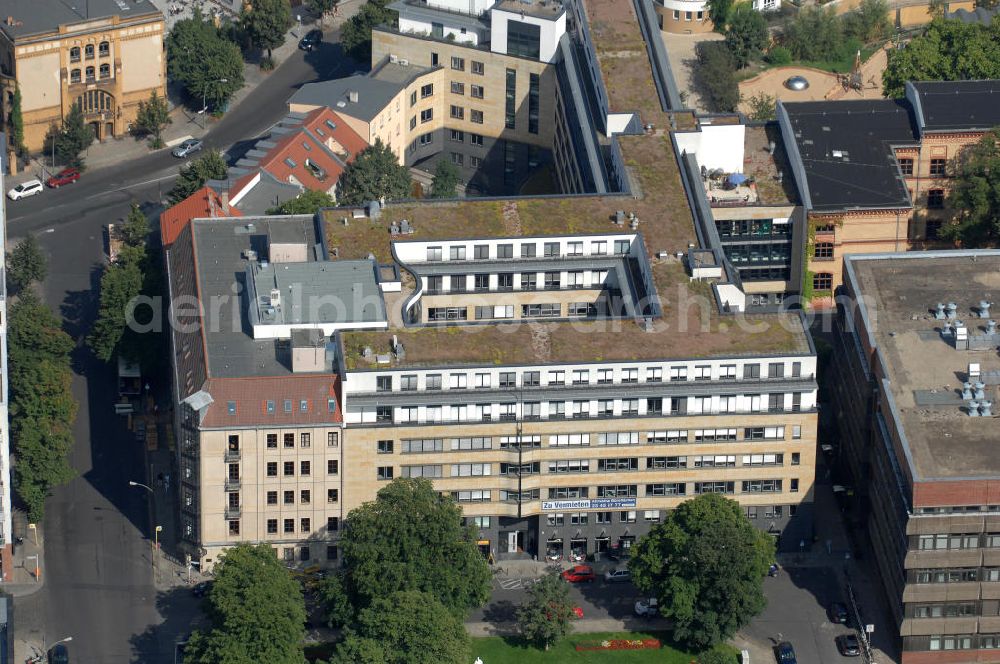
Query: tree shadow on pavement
{"points": [[502, 611], [181, 614]]}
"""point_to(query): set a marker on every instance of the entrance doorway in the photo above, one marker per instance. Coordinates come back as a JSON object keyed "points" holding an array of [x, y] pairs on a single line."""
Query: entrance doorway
{"points": [[578, 550], [95, 128], [554, 550], [514, 540], [109, 130], [601, 544]]}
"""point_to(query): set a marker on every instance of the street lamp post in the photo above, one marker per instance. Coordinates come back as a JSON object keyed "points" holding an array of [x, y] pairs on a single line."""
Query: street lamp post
{"points": [[204, 102], [46, 648], [155, 540]]}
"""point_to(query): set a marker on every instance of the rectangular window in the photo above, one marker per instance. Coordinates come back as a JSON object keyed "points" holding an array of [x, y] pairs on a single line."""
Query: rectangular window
{"points": [[289, 468], [476, 91], [384, 473], [476, 139], [477, 68], [303, 467], [332, 438], [332, 495], [332, 466], [272, 526], [426, 115], [935, 199], [523, 39], [938, 166], [457, 112], [426, 90], [533, 103], [511, 99], [458, 64], [272, 468], [477, 118], [272, 441], [304, 440], [906, 165], [457, 88]]}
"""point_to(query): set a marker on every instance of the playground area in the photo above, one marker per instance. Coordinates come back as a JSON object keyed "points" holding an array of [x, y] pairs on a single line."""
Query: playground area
{"points": [[865, 82]]}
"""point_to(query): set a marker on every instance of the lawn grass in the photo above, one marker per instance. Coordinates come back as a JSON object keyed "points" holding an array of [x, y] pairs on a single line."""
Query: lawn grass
{"points": [[497, 650]]}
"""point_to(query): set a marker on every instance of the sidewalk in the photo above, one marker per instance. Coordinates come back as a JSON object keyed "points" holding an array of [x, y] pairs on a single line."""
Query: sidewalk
{"points": [[184, 123], [23, 581], [582, 626]]}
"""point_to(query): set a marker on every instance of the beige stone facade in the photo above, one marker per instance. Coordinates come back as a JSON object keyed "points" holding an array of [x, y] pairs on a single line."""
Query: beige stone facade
{"points": [[106, 65], [685, 17]]}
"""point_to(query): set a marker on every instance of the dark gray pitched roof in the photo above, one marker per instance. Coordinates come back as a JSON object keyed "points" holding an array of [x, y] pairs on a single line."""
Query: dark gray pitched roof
{"points": [[955, 105], [373, 95], [40, 16]]}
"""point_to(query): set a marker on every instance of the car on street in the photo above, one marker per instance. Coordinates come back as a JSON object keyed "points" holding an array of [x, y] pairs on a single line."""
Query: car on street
{"points": [[25, 189], [65, 176], [59, 654], [849, 645], [579, 574], [647, 608], [784, 653], [838, 613], [618, 574], [201, 589], [187, 148], [311, 41]]}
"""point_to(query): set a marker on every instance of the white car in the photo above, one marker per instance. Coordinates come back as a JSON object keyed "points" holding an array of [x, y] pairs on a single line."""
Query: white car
{"points": [[25, 189], [646, 608], [613, 575]]}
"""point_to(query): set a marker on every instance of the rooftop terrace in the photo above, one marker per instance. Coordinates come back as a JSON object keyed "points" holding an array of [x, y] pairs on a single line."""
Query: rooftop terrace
{"points": [[762, 168], [926, 371], [549, 9], [624, 62], [690, 327], [664, 216]]}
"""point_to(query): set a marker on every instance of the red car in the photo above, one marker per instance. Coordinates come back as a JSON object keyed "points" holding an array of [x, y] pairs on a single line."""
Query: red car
{"points": [[65, 176], [579, 574]]}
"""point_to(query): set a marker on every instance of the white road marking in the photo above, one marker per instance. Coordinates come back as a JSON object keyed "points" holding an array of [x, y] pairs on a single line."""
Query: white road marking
{"points": [[132, 186]]}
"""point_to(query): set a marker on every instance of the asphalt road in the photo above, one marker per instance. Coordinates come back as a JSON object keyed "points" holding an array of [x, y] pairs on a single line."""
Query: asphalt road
{"points": [[97, 568]]}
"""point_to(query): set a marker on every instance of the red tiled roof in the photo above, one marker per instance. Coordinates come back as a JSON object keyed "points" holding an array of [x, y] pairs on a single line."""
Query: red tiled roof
{"points": [[316, 122], [251, 397], [299, 147], [203, 203]]}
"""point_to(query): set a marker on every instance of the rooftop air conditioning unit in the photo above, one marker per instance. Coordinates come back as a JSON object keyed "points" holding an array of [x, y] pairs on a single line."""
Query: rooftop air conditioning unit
{"points": [[393, 57], [403, 62]]}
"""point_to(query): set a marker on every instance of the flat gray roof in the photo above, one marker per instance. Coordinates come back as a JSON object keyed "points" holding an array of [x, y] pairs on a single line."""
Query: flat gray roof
{"points": [[373, 95], [314, 293], [219, 248], [41, 16], [925, 370]]}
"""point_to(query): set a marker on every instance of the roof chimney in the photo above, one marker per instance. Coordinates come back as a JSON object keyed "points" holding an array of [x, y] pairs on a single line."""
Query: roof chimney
{"points": [[352, 96], [225, 202]]}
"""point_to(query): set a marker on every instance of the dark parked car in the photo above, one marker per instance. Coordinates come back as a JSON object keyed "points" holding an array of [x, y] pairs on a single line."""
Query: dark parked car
{"points": [[59, 654], [311, 41], [849, 645], [201, 589], [785, 653], [838, 613]]}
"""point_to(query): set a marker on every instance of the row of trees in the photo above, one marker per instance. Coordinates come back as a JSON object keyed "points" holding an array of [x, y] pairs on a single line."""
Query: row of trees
{"points": [[356, 34], [42, 408], [411, 572]]}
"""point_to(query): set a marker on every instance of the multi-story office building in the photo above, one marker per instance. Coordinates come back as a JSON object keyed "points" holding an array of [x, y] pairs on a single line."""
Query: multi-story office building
{"points": [[873, 175], [549, 362], [105, 56], [915, 380]]}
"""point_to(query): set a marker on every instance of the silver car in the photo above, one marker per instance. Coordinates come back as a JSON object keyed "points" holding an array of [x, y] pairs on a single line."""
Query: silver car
{"points": [[614, 575], [187, 147]]}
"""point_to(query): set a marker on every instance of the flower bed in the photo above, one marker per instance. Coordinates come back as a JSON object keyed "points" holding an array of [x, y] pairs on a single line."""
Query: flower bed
{"points": [[620, 644]]}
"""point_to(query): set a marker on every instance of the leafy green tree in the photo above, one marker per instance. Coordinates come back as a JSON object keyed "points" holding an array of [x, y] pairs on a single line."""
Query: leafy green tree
{"points": [[761, 107], [135, 230], [717, 655], [17, 123], [778, 56], [746, 35], [975, 194], [405, 627], [399, 542], [120, 284], [814, 34], [209, 66], [265, 22], [71, 139], [718, 11], [152, 117], [308, 202], [42, 408], [446, 178], [705, 564], [869, 22], [210, 166], [374, 174], [26, 264], [949, 50], [547, 615], [714, 77], [256, 610], [356, 34]]}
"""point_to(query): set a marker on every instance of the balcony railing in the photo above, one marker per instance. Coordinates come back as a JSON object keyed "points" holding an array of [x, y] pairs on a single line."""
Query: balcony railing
{"points": [[232, 511], [232, 455], [232, 484]]}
